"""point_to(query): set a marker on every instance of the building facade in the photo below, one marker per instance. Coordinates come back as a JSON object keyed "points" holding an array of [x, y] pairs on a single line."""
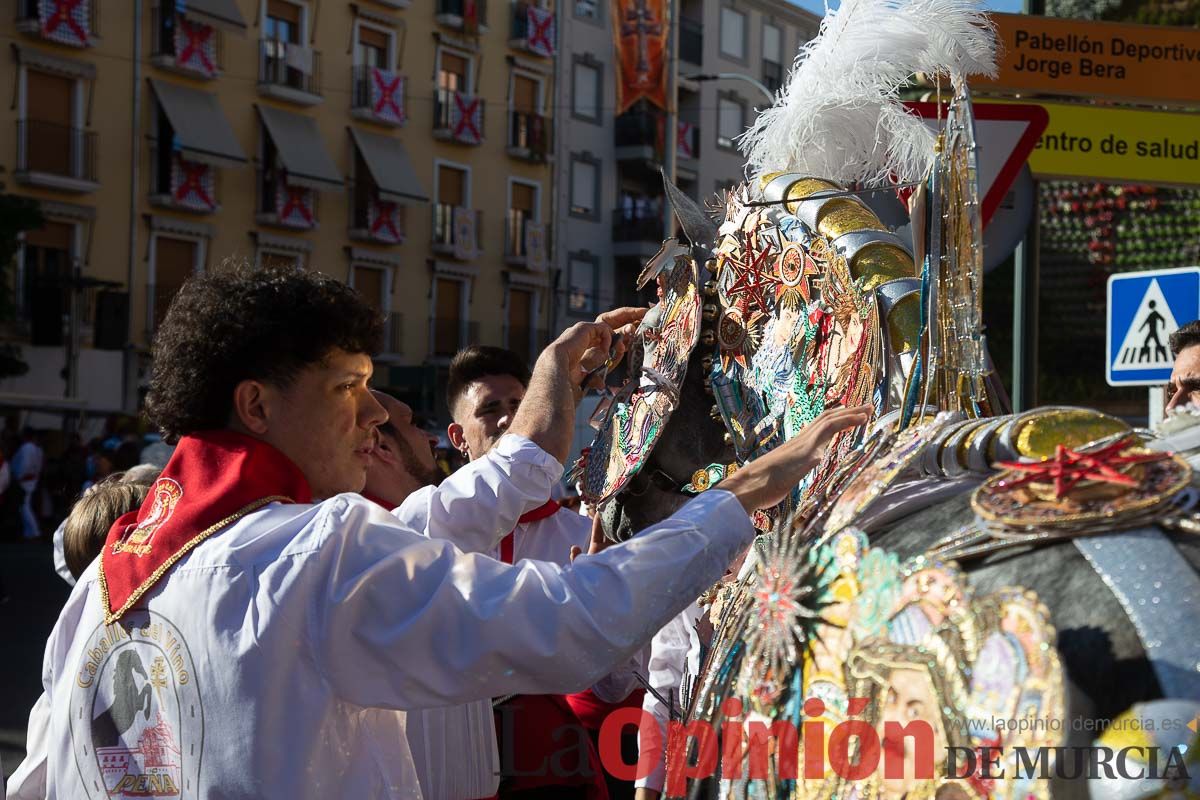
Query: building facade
{"points": [[609, 192], [610, 202], [403, 148]]}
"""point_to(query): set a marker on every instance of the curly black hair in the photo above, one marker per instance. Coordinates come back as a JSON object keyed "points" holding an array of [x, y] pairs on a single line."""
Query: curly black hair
{"points": [[241, 323]]}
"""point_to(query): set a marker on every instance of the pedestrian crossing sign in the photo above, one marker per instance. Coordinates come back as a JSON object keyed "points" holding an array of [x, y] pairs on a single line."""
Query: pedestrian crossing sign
{"points": [[1144, 309]]}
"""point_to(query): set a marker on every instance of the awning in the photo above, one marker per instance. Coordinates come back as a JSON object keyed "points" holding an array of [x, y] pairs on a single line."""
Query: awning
{"points": [[221, 13], [300, 149], [201, 129], [389, 165]]}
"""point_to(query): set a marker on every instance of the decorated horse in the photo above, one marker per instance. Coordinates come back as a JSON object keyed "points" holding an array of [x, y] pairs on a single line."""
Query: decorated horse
{"points": [[1023, 585]]}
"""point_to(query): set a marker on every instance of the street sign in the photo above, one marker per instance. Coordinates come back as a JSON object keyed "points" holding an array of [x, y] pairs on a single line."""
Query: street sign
{"points": [[1143, 63], [1005, 135], [1117, 144], [1144, 309]]}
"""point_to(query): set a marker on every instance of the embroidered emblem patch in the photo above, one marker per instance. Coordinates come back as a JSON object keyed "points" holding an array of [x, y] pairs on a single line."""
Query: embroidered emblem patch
{"points": [[166, 494]]}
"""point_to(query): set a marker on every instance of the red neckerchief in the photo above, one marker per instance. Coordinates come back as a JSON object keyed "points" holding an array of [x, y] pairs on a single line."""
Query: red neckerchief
{"points": [[549, 509], [213, 479], [379, 501]]}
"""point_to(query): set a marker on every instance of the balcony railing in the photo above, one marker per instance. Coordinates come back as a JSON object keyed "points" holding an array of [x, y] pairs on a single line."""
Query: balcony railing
{"points": [[456, 234], [289, 66], [532, 29], [450, 335], [375, 219], [76, 27], [49, 148], [378, 94], [637, 225], [691, 41], [465, 15], [458, 117], [639, 129], [185, 45], [528, 136], [517, 241], [284, 205], [181, 184]]}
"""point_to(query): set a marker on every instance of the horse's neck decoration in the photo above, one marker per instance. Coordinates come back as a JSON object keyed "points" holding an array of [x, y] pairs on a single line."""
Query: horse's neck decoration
{"points": [[844, 632], [635, 417]]}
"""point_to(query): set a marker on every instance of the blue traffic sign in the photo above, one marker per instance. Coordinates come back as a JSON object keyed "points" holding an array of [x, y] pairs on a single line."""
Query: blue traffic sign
{"points": [[1144, 308]]}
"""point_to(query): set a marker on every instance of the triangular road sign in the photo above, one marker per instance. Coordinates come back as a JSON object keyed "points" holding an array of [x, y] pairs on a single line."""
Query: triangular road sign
{"points": [[1144, 345], [1005, 133]]}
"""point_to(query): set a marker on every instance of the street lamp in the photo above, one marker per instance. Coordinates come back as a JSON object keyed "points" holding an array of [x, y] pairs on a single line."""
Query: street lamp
{"points": [[702, 77]]}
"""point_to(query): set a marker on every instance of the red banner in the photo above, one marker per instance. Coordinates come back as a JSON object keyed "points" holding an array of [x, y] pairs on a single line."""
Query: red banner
{"points": [[640, 29]]}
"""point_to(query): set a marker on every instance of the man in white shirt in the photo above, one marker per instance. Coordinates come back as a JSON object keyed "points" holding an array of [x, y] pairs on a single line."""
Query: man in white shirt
{"points": [[402, 460], [27, 466], [251, 631]]}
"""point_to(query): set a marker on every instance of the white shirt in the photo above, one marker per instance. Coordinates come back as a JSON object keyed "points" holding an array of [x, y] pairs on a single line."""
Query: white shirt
{"points": [[454, 747], [672, 653], [269, 663]]}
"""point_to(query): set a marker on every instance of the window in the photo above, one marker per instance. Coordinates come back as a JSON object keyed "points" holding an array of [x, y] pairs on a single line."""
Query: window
{"points": [[175, 261], [371, 284], [272, 260], [582, 282], [587, 9], [522, 209], [451, 193], [45, 274], [283, 22], [731, 121], [526, 94], [585, 200], [521, 304], [585, 90], [447, 316], [453, 77], [49, 131], [772, 51], [454, 72], [526, 126], [733, 34], [373, 48]]}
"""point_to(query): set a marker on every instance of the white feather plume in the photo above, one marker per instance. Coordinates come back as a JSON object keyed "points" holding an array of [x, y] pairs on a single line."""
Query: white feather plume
{"points": [[840, 116]]}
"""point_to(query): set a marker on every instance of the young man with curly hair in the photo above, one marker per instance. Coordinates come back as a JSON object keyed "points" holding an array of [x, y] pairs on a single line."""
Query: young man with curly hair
{"points": [[253, 629]]}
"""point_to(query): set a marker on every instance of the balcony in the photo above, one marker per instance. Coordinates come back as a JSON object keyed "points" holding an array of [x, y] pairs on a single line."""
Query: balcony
{"points": [[691, 41], [288, 71], [283, 205], [449, 335], [637, 227], [184, 46], [638, 136], [468, 16], [528, 137], [56, 156], [183, 185], [373, 219], [456, 231], [378, 95], [458, 117], [526, 243], [532, 29], [71, 22]]}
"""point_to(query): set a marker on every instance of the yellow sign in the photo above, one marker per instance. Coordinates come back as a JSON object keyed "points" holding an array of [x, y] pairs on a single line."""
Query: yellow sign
{"points": [[1118, 144], [1152, 63]]}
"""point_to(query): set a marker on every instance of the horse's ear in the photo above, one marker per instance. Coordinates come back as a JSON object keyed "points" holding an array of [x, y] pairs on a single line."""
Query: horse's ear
{"points": [[698, 226]]}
